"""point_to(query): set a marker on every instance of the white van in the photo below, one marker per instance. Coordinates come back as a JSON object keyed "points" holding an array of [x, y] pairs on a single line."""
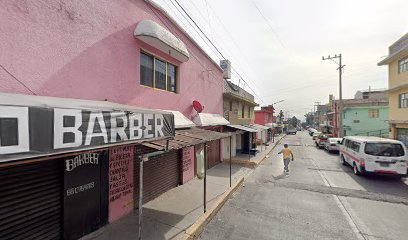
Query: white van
{"points": [[374, 155]]}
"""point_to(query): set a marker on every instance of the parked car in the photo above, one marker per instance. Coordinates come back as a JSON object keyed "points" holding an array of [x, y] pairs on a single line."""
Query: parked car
{"points": [[315, 135], [374, 155], [291, 132], [311, 131], [321, 139], [331, 144]]}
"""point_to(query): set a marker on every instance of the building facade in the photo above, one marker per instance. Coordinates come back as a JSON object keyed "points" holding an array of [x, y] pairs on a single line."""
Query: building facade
{"points": [[359, 117], [100, 59], [239, 111], [397, 62], [265, 115], [366, 121]]}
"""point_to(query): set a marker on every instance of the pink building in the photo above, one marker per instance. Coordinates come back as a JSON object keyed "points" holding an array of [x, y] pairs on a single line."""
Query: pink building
{"points": [[88, 50], [125, 52]]}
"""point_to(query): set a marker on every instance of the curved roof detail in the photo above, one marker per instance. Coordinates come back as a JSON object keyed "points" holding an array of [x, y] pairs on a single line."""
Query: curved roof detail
{"points": [[157, 36]]}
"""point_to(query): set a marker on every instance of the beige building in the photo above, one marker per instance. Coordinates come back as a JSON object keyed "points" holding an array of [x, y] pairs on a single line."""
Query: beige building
{"points": [[239, 111], [397, 62]]}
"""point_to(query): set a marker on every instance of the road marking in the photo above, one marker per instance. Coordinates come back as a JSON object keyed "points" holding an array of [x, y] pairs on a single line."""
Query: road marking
{"points": [[339, 203], [349, 219]]}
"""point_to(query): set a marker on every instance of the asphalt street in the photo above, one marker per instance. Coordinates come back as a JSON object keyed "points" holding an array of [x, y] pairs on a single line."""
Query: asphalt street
{"points": [[320, 199]]}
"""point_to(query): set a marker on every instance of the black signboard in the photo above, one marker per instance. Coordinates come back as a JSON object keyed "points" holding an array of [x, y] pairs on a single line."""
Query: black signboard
{"points": [[35, 131], [85, 193]]}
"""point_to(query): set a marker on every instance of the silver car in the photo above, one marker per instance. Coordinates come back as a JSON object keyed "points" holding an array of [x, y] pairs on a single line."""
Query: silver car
{"points": [[331, 144]]}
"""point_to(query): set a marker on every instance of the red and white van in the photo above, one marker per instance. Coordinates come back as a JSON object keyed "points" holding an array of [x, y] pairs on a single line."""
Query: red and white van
{"points": [[374, 155]]}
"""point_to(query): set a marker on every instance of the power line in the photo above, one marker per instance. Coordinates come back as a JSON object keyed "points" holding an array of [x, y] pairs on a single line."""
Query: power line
{"points": [[16, 79], [213, 45]]}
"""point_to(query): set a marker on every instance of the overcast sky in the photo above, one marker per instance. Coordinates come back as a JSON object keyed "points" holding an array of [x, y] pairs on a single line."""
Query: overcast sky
{"points": [[277, 46]]}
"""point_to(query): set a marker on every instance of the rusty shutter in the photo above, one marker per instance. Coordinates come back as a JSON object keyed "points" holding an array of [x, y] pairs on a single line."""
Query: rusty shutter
{"points": [[161, 173], [31, 200], [213, 153]]}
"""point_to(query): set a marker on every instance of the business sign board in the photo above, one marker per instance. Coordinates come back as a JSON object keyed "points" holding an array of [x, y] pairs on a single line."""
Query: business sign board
{"points": [[85, 193], [226, 68], [188, 163], [120, 181], [35, 131]]}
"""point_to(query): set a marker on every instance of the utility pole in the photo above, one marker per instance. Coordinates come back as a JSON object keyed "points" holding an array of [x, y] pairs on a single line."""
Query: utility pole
{"points": [[340, 68], [317, 104]]}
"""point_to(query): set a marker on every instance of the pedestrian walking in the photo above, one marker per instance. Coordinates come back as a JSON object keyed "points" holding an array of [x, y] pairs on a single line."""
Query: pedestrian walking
{"points": [[287, 156]]}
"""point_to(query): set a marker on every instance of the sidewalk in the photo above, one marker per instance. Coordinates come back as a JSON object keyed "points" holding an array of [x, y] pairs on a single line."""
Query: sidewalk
{"points": [[170, 215], [259, 157]]}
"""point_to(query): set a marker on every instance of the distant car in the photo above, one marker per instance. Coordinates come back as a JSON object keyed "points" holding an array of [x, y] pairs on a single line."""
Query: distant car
{"points": [[321, 139], [315, 135], [311, 131], [331, 144], [291, 132]]}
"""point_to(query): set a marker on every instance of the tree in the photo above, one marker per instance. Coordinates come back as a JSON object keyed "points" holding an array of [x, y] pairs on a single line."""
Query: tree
{"points": [[293, 122], [280, 115]]}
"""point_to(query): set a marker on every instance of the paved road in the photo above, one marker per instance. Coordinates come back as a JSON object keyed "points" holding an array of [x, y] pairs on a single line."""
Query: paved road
{"points": [[320, 199]]}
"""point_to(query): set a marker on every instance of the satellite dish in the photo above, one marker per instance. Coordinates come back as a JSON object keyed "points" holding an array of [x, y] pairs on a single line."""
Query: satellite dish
{"points": [[197, 106]]}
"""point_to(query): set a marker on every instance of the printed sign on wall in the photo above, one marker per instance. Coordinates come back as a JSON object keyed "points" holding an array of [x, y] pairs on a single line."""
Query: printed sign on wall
{"points": [[120, 182], [188, 164], [84, 209]]}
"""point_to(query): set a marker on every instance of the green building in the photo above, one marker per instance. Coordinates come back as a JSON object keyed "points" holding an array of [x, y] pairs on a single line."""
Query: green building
{"points": [[365, 121]]}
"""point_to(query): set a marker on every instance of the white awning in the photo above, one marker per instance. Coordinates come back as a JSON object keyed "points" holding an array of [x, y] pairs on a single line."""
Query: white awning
{"points": [[244, 128], [157, 36], [257, 126], [208, 119], [271, 125], [181, 121]]}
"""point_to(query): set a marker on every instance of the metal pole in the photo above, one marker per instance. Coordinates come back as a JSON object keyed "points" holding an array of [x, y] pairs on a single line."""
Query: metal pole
{"points": [[230, 159], [250, 146], [205, 177], [141, 159], [341, 98], [273, 135]]}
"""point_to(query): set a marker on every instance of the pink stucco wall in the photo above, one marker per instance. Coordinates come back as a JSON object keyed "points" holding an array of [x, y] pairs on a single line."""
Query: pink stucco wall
{"points": [[86, 49]]}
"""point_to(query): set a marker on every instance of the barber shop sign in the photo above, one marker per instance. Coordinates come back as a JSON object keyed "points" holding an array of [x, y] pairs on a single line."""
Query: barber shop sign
{"points": [[46, 130]]}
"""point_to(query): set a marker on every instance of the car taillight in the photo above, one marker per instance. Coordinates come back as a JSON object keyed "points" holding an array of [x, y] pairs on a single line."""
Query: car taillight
{"points": [[362, 162]]}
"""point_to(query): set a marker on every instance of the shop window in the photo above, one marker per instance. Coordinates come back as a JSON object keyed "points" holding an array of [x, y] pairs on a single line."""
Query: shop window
{"points": [[373, 113], [403, 65], [403, 100], [156, 73]]}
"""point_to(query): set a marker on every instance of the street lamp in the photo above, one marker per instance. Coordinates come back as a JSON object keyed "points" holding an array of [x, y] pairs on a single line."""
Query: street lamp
{"points": [[273, 134]]}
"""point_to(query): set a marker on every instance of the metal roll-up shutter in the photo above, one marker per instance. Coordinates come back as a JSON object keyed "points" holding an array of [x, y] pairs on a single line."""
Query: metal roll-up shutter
{"points": [[31, 201], [213, 153], [161, 173]]}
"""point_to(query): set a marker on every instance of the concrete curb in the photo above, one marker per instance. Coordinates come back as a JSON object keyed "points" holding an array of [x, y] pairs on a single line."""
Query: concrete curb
{"points": [[253, 164], [195, 230]]}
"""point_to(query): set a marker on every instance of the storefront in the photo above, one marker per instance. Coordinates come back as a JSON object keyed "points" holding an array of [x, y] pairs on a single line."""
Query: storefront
{"points": [[67, 166], [213, 122], [244, 138]]}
